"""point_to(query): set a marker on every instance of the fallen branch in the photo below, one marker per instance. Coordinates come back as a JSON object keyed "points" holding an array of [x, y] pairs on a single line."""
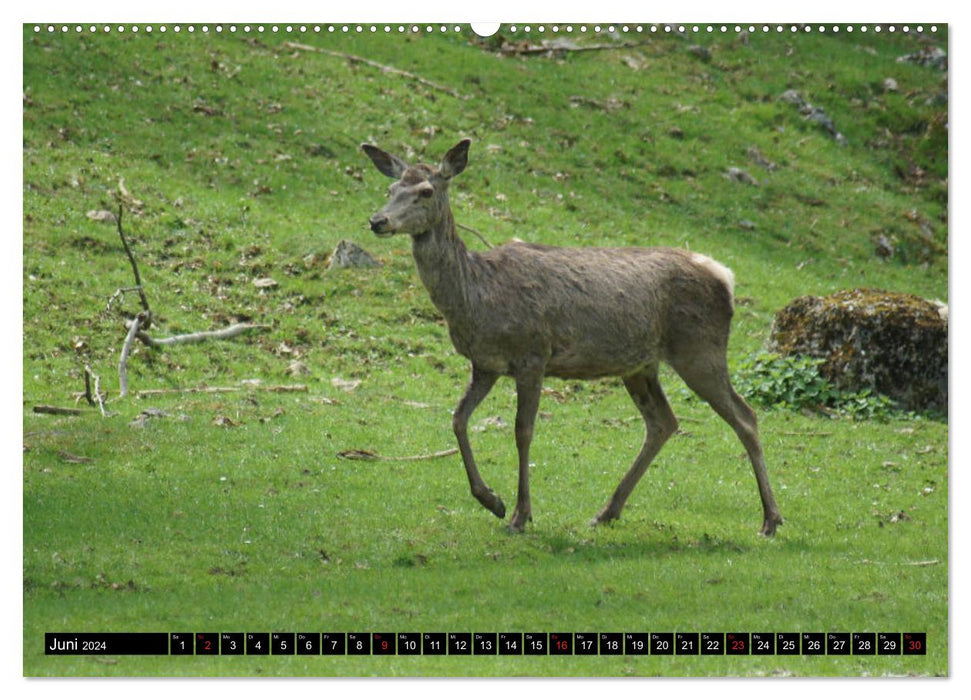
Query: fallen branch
{"points": [[126, 351], [138, 326], [928, 562], [134, 268], [58, 411], [374, 64], [119, 293], [222, 334], [279, 388], [96, 398], [526, 49], [367, 456]]}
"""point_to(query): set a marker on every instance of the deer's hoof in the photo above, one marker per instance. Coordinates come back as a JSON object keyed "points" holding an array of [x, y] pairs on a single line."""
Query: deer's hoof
{"points": [[769, 525], [604, 516], [518, 521], [492, 503]]}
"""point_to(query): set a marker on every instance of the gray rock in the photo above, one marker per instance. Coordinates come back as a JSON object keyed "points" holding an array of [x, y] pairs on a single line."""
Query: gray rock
{"points": [[350, 254]]}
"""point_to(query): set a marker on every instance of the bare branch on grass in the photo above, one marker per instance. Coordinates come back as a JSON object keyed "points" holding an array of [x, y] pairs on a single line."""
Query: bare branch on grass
{"points": [[94, 398], [276, 388], [58, 410], [368, 456], [374, 64], [555, 47], [138, 325], [134, 268], [198, 337], [126, 351]]}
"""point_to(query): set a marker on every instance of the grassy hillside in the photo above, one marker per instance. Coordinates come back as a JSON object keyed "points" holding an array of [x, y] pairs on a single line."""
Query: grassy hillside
{"points": [[236, 158]]}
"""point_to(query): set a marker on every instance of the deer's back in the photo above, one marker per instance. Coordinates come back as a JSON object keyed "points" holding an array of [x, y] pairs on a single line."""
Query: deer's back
{"points": [[592, 311]]}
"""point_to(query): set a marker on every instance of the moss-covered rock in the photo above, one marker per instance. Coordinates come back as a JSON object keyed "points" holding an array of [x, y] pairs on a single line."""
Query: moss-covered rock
{"points": [[891, 343]]}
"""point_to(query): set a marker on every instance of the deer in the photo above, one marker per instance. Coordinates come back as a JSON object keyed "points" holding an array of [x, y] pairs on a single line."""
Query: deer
{"points": [[530, 311]]}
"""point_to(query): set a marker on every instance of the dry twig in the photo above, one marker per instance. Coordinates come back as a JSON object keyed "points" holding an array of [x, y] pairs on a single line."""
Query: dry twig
{"points": [[277, 388], [222, 334], [374, 64], [367, 456], [96, 398], [134, 268], [126, 351], [555, 47], [58, 411]]}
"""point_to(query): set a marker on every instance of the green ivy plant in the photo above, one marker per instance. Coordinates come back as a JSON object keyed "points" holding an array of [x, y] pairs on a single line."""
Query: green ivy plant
{"points": [[795, 382]]}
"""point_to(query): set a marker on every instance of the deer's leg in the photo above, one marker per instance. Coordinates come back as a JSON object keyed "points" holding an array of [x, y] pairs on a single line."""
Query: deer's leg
{"points": [[529, 386], [479, 387], [661, 424], [710, 380]]}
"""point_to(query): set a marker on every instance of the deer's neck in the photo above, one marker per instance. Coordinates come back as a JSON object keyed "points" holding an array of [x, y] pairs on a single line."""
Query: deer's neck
{"points": [[445, 266]]}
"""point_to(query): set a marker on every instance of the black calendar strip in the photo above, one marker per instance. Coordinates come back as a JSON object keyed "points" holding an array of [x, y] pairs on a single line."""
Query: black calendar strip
{"points": [[487, 643]]}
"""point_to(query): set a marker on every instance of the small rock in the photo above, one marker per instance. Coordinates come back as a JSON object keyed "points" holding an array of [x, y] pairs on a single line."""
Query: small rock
{"points": [[755, 155], [264, 283], [883, 247], [350, 254], [701, 52], [813, 113], [739, 175], [889, 85], [101, 215], [792, 97], [932, 57], [149, 413]]}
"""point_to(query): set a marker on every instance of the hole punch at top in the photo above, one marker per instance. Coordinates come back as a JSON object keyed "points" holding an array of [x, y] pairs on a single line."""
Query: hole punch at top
{"points": [[485, 29]]}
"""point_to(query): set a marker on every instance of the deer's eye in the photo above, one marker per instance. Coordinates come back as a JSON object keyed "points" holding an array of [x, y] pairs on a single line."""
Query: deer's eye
{"points": [[426, 192]]}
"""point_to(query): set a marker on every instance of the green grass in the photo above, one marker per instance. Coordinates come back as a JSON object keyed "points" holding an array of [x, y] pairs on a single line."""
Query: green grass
{"points": [[244, 155]]}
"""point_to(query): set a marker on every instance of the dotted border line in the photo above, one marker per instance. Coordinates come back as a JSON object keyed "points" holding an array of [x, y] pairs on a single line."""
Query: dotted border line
{"points": [[443, 29]]}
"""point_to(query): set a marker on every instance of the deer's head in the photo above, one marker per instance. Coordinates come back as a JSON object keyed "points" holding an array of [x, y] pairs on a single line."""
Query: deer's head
{"points": [[418, 199]]}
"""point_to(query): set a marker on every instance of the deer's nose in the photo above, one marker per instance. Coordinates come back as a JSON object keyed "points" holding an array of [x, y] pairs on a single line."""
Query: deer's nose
{"points": [[378, 222]]}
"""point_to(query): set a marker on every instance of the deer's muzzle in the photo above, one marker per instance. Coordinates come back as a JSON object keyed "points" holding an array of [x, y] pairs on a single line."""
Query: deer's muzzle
{"points": [[379, 224]]}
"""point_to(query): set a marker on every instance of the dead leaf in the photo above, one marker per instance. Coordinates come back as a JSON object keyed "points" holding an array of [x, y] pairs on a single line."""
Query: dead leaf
{"points": [[224, 422], [264, 282]]}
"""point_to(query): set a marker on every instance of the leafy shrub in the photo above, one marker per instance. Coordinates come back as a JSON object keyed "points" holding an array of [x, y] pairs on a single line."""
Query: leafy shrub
{"points": [[795, 382]]}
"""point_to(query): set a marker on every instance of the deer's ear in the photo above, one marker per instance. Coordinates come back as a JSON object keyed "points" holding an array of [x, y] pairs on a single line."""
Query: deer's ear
{"points": [[456, 159], [387, 164]]}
